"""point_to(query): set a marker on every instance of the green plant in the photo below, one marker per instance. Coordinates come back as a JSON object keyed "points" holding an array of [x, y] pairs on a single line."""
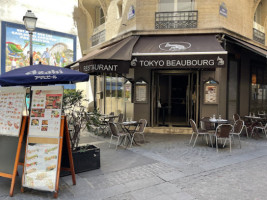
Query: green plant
{"points": [[94, 121], [76, 114]]}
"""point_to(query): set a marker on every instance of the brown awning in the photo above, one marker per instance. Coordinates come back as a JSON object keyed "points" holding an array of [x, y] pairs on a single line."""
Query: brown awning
{"points": [[114, 58], [251, 47], [179, 51]]}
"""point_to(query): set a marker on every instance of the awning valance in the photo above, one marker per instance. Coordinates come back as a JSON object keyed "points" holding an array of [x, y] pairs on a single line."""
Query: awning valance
{"points": [[111, 59], [179, 51], [251, 47]]}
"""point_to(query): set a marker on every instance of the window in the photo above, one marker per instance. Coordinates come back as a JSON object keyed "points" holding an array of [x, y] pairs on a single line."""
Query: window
{"points": [[176, 5], [257, 16], [119, 6], [99, 16], [114, 100], [258, 97]]}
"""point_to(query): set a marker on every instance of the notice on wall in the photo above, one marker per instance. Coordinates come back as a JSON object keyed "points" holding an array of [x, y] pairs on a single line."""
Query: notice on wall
{"points": [[141, 93], [41, 166], [211, 94], [45, 113], [12, 103]]}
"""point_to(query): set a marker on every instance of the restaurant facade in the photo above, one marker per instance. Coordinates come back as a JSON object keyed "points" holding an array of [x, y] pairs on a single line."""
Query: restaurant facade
{"points": [[171, 76]]}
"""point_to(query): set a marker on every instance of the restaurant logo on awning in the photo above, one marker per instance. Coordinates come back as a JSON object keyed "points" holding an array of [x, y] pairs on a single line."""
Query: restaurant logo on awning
{"points": [[196, 61], [174, 46]]}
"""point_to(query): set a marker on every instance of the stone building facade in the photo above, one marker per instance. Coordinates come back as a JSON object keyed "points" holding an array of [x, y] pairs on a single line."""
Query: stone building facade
{"points": [[239, 27]]}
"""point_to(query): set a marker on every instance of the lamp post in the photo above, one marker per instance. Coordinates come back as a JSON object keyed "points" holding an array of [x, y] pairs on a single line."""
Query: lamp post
{"points": [[30, 24]]}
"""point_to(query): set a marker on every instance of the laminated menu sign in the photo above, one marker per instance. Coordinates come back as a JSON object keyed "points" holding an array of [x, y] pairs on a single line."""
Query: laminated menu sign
{"points": [[41, 166], [46, 111], [12, 103], [42, 150]]}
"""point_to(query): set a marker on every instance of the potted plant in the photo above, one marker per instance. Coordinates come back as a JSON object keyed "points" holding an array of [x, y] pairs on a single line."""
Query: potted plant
{"points": [[84, 157]]}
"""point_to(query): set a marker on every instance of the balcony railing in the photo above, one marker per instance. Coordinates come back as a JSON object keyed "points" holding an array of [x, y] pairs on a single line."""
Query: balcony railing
{"points": [[258, 36], [98, 38], [176, 20]]}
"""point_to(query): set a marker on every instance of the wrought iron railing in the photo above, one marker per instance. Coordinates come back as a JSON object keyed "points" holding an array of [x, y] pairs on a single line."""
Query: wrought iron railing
{"points": [[176, 20], [98, 38], [258, 36]]}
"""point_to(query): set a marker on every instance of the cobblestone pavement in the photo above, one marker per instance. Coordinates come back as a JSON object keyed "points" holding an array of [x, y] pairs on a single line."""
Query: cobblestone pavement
{"points": [[165, 167]]}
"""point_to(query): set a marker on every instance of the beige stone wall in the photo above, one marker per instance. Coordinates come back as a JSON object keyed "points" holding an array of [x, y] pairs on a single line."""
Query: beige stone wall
{"points": [[145, 14], [239, 20], [118, 25]]}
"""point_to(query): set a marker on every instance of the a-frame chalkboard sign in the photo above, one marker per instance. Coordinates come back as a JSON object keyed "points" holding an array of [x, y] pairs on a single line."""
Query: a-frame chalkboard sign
{"points": [[10, 149]]}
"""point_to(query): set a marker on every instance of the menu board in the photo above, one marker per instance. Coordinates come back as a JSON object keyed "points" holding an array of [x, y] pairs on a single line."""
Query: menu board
{"points": [[41, 166], [46, 111], [210, 93], [41, 160], [12, 103]]}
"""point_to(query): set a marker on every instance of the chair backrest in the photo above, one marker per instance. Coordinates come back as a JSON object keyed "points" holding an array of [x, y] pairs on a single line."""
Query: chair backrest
{"points": [[113, 128], [236, 117], [238, 126], [120, 118], [194, 126], [142, 125], [111, 119], [223, 130], [206, 124]]}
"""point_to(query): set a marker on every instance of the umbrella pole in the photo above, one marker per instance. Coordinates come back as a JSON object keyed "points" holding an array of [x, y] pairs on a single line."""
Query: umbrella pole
{"points": [[95, 93], [30, 101]]}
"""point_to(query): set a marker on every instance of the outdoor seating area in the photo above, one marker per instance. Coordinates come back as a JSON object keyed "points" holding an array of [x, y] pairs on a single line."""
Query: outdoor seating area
{"points": [[115, 126], [225, 131]]}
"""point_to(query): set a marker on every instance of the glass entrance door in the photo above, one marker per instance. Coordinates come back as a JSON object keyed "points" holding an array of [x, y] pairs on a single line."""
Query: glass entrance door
{"points": [[176, 96]]}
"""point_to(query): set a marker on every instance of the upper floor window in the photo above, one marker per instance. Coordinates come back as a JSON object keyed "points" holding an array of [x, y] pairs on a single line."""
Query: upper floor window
{"points": [[99, 16], [258, 14], [119, 6], [176, 5]]}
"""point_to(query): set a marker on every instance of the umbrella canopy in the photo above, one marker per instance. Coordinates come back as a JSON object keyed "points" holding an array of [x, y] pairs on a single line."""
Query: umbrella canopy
{"points": [[41, 75]]}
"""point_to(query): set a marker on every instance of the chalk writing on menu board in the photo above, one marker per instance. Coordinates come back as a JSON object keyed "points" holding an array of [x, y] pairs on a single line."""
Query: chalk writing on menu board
{"points": [[12, 103]]}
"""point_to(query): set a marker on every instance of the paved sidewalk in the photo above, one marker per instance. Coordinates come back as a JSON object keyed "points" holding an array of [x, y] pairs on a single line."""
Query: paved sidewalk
{"points": [[165, 168]]}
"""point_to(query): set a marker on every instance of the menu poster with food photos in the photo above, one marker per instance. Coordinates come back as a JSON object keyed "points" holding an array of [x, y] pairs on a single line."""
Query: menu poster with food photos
{"points": [[40, 168], [45, 113], [12, 104]]}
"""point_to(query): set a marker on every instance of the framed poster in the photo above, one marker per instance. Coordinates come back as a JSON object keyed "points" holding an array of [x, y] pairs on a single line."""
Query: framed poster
{"points": [[211, 93], [141, 92], [12, 105], [49, 47]]}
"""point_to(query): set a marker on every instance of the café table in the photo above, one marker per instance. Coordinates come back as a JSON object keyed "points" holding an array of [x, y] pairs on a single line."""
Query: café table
{"points": [[255, 121], [262, 115], [216, 122], [105, 119], [253, 117], [130, 127]]}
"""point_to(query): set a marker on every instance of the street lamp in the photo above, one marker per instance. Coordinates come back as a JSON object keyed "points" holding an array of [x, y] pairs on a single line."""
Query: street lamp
{"points": [[30, 24]]}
